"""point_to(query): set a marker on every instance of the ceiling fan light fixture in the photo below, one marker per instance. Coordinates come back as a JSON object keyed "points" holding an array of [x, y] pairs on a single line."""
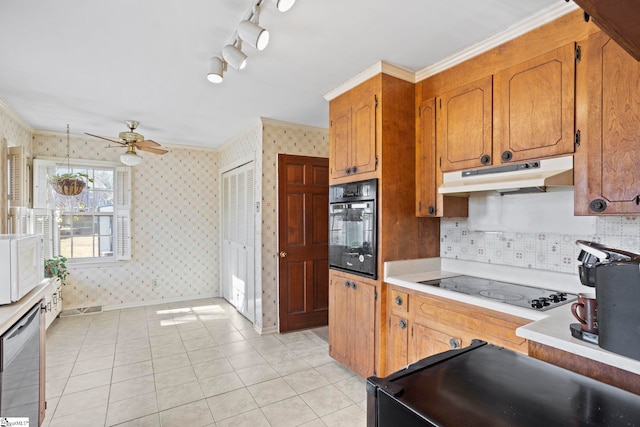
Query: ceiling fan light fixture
{"points": [[216, 70], [253, 34], [130, 158], [283, 5], [234, 57]]}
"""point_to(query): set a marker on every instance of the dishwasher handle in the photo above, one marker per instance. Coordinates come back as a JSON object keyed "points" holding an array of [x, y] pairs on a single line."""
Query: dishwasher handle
{"points": [[12, 341]]}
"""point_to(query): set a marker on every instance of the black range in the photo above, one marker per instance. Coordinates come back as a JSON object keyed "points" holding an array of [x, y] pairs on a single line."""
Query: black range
{"points": [[508, 293]]}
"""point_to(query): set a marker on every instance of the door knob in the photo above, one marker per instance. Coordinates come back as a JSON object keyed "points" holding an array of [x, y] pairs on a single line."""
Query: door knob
{"points": [[283, 254]]}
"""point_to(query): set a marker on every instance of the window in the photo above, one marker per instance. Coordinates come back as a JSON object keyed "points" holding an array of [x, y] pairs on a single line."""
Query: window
{"points": [[92, 226]]}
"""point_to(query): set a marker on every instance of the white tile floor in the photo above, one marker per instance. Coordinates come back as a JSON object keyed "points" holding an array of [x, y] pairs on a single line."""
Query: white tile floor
{"points": [[194, 363]]}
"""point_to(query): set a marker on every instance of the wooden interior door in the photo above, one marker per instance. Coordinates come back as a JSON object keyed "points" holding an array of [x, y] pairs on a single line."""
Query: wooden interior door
{"points": [[303, 234]]}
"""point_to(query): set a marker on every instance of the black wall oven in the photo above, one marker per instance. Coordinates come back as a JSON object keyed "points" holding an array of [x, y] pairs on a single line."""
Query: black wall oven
{"points": [[352, 227]]}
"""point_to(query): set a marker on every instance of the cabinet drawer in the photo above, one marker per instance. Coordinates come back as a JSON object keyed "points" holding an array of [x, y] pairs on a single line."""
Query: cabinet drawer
{"points": [[399, 302], [466, 322]]}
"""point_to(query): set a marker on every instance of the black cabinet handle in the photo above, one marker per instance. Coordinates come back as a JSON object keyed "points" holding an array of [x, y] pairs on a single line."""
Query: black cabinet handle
{"points": [[347, 283], [454, 343], [354, 169], [353, 285], [432, 210], [399, 300], [485, 159], [402, 324], [507, 155], [348, 170], [598, 205]]}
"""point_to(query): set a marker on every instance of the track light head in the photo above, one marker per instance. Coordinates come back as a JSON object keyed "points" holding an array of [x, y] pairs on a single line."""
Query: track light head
{"points": [[234, 56], [253, 34], [216, 70], [283, 5]]}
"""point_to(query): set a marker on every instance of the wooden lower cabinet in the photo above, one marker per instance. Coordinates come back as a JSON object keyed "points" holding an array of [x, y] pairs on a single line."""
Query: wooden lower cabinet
{"points": [[434, 324], [352, 322]]}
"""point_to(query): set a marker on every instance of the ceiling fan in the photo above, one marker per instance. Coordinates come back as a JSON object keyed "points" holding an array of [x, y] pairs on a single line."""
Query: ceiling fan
{"points": [[133, 140]]}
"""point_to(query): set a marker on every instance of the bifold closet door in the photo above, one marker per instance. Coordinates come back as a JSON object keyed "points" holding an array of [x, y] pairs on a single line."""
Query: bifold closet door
{"points": [[238, 216]]}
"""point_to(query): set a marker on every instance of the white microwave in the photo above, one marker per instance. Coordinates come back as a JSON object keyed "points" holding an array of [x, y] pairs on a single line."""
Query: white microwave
{"points": [[21, 265]]}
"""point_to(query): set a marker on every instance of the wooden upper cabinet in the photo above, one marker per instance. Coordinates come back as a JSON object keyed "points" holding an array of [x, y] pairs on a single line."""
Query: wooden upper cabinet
{"points": [[534, 107], [619, 20], [352, 134], [607, 176], [426, 190], [464, 126], [428, 175], [340, 137]]}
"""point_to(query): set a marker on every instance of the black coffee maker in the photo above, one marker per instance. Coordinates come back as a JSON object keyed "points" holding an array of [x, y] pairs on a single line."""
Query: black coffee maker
{"points": [[616, 276]]}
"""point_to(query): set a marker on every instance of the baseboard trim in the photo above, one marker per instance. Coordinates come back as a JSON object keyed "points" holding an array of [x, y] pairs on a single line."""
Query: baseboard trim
{"points": [[158, 301]]}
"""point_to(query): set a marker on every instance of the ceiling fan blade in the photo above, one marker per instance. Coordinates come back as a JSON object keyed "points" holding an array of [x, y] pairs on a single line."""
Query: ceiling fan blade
{"points": [[147, 143], [153, 150], [106, 139]]}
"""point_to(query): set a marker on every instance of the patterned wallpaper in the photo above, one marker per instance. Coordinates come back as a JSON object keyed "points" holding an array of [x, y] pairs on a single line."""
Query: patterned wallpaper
{"points": [[266, 140], [13, 132], [174, 227], [544, 251], [287, 139]]}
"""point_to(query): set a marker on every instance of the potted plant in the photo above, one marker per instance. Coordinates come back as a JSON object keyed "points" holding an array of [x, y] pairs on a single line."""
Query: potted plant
{"points": [[69, 184], [56, 267]]}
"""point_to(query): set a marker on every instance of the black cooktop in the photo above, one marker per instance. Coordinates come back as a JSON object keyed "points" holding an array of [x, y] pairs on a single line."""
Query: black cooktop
{"points": [[508, 293]]}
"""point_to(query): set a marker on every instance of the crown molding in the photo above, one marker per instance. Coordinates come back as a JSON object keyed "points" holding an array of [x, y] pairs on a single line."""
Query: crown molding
{"points": [[543, 17], [280, 123], [14, 116], [372, 71]]}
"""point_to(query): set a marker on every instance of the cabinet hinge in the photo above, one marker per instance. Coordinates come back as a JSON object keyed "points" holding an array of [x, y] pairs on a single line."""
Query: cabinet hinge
{"points": [[576, 139], [440, 101], [376, 98], [411, 331], [578, 53], [440, 161], [376, 160], [375, 295], [420, 206], [419, 111]]}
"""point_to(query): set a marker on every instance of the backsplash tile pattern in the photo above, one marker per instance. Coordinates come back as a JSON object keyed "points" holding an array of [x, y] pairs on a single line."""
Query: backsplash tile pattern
{"points": [[544, 251]]}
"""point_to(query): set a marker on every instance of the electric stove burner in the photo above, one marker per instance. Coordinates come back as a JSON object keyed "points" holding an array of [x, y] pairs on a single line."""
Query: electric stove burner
{"points": [[508, 293]]}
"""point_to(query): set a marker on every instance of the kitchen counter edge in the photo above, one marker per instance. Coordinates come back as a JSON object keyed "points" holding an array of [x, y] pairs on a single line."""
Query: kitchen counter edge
{"points": [[11, 313], [550, 328]]}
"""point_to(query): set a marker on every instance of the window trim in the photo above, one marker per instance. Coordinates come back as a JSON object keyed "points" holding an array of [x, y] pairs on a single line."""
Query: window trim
{"points": [[121, 213]]}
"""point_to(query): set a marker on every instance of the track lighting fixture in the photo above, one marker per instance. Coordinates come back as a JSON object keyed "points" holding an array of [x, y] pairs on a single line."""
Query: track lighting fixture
{"points": [[234, 56], [248, 31], [217, 68], [253, 34], [283, 5]]}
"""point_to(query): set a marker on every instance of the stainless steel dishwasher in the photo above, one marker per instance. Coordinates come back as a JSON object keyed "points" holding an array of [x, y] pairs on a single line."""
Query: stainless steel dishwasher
{"points": [[20, 363]]}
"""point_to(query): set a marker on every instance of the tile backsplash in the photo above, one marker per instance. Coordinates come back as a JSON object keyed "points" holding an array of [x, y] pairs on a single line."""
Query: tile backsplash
{"points": [[543, 250]]}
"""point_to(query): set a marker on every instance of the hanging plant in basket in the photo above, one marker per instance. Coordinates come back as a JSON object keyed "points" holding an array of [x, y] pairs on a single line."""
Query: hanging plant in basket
{"points": [[69, 184]]}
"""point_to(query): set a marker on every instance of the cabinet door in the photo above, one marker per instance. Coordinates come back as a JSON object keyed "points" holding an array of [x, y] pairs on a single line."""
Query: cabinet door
{"points": [[426, 190], [363, 141], [339, 319], [397, 343], [534, 107], [607, 177], [426, 342], [340, 140], [362, 311], [465, 126]]}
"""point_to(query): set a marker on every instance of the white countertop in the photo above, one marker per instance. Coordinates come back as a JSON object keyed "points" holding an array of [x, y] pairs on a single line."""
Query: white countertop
{"points": [[11, 313], [549, 327]]}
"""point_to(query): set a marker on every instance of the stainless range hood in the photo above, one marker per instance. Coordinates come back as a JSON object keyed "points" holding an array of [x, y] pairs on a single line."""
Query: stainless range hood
{"points": [[526, 177]]}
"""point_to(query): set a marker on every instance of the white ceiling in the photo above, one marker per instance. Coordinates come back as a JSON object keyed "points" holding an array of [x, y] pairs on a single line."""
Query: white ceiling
{"points": [[93, 64]]}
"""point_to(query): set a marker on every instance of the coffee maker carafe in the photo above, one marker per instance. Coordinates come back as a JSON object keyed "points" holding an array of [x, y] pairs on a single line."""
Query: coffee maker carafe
{"points": [[616, 276]]}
